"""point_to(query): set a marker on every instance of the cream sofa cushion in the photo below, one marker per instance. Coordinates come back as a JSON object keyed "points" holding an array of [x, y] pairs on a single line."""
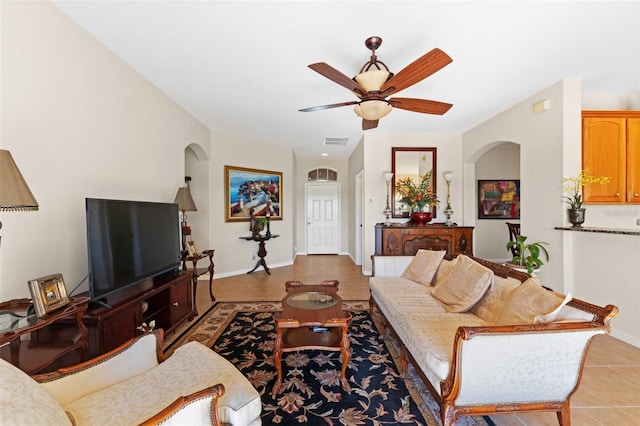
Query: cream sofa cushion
{"points": [[555, 314], [141, 397], [490, 304], [423, 267], [443, 271], [527, 301], [464, 286], [24, 402]]}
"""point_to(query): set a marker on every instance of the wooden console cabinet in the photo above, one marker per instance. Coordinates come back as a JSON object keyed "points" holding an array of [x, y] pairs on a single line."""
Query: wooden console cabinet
{"points": [[405, 239], [169, 300]]}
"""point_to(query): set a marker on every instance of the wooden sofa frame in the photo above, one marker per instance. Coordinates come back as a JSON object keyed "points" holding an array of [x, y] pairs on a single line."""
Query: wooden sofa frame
{"points": [[450, 387]]}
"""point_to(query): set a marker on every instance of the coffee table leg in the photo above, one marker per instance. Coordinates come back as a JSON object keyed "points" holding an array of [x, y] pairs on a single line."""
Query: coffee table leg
{"points": [[277, 361], [346, 357]]}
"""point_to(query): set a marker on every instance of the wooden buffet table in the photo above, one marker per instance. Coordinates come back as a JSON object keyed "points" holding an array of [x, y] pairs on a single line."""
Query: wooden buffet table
{"points": [[405, 239], [35, 355]]}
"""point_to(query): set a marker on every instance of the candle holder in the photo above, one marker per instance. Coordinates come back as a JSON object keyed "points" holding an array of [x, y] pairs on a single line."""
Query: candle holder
{"points": [[448, 211], [387, 210]]}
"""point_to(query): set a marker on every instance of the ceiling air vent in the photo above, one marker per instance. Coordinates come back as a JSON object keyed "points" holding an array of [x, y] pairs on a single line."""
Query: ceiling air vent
{"points": [[335, 141]]}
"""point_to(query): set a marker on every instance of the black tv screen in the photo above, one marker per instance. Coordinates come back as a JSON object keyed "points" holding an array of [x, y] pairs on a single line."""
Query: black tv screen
{"points": [[128, 242]]}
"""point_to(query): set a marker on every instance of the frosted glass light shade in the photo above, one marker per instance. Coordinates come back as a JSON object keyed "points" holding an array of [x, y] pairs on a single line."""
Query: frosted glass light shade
{"points": [[372, 81], [372, 110]]}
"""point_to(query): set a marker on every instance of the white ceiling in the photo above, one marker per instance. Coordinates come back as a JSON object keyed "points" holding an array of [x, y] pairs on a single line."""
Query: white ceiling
{"points": [[241, 67]]}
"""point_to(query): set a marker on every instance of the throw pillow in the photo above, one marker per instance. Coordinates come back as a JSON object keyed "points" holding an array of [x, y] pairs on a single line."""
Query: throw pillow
{"points": [[443, 271], [464, 286], [553, 315], [527, 301], [423, 266]]}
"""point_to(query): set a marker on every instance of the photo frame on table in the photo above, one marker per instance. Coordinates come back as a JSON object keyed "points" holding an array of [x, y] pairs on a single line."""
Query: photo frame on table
{"points": [[192, 248], [499, 199], [48, 294], [246, 189]]}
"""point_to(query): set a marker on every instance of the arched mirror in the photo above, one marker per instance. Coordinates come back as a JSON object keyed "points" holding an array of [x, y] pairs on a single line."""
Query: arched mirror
{"points": [[411, 163]]}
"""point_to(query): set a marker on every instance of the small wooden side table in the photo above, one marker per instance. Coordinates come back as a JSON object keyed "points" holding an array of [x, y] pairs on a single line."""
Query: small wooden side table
{"points": [[312, 318], [262, 250], [33, 356], [200, 271]]}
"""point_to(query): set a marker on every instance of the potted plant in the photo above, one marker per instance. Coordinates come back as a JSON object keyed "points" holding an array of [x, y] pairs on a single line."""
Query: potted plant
{"points": [[529, 254], [416, 196], [573, 187]]}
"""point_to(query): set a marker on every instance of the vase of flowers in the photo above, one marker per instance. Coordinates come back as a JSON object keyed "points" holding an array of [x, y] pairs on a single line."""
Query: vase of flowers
{"points": [[573, 187], [418, 197]]}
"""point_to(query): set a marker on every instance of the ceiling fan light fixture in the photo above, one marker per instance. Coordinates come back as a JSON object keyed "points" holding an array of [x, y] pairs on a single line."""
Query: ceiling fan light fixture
{"points": [[372, 110], [372, 81]]}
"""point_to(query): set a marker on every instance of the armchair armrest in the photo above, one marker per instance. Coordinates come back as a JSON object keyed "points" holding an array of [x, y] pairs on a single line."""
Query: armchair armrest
{"points": [[128, 360], [389, 266], [198, 408]]}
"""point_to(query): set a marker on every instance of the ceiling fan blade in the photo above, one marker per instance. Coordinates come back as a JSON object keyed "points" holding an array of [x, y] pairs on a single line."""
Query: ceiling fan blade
{"points": [[369, 124], [420, 105], [337, 77], [416, 71], [321, 107]]}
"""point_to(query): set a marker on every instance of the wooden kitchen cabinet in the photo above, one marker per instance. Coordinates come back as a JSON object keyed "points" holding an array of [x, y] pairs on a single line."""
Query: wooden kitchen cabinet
{"points": [[611, 147]]}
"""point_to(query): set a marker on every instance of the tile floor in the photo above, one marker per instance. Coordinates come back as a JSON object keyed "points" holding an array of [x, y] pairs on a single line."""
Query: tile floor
{"points": [[608, 395]]}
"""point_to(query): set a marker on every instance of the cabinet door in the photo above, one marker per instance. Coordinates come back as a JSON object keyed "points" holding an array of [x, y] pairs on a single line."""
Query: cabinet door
{"points": [[181, 300], [633, 160], [392, 242], [603, 153], [463, 241], [121, 327]]}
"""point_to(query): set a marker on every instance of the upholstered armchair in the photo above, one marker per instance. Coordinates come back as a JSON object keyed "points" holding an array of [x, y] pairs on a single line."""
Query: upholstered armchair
{"points": [[133, 384]]}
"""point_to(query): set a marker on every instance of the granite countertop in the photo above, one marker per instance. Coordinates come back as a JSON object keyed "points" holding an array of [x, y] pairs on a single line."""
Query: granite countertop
{"points": [[599, 230]]}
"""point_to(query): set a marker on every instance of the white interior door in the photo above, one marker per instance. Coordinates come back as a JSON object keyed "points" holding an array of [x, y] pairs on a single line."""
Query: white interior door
{"points": [[323, 219]]}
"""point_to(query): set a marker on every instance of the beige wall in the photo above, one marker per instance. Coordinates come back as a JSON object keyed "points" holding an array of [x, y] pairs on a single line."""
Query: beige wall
{"points": [[491, 235], [599, 268], [80, 123], [234, 256], [377, 160]]}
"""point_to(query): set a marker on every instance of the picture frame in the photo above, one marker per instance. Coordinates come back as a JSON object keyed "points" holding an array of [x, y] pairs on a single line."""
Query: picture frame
{"points": [[499, 199], [246, 189], [192, 248], [48, 294]]}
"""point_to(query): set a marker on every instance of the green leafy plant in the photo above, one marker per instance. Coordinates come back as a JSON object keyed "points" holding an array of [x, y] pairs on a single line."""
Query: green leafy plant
{"points": [[573, 187], [529, 254], [416, 195]]}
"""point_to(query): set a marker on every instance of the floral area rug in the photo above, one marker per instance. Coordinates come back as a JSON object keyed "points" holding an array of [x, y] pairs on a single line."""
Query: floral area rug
{"points": [[244, 334]]}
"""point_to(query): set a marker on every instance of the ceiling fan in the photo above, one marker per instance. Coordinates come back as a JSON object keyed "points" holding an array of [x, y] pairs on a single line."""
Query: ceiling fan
{"points": [[375, 83]]}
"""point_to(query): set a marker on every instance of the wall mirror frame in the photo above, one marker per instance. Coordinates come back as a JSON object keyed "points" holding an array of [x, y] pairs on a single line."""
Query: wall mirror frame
{"points": [[411, 162]]}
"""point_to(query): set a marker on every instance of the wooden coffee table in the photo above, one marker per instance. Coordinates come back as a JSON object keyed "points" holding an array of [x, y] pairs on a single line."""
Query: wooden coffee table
{"points": [[312, 318]]}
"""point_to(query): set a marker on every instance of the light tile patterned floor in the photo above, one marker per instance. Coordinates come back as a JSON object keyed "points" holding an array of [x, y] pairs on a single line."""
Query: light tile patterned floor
{"points": [[608, 395]]}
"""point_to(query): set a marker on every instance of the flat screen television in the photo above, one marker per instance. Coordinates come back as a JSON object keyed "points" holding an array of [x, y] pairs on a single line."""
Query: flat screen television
{"points": [[129, 242]]}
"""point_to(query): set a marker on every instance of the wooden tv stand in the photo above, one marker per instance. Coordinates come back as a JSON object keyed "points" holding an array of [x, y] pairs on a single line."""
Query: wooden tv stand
{"points": [[170, 302]]}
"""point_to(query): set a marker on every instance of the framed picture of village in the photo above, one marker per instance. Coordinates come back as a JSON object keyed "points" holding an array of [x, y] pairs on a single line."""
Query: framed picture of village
{"points": [[250, 191]]}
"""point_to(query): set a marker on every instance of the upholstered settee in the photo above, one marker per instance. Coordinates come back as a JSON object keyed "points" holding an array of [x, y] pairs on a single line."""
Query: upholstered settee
{"points": [[484, 338], [133, 385]]}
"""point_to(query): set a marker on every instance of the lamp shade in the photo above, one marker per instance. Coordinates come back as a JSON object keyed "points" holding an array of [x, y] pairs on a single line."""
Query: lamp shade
{"points": [[372, 80], [372, 110], [15, 194], [448, 176], [388, 176], [184, 200]]}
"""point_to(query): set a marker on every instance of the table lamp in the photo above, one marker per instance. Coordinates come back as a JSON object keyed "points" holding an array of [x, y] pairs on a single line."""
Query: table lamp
{"points": [[15, 194], [185, 203]]}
